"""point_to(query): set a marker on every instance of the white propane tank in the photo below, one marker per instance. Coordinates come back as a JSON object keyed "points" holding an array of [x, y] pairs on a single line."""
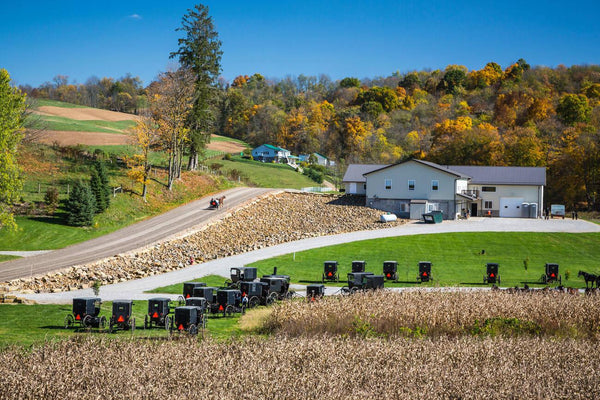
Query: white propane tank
{"points": [[388, 217]]}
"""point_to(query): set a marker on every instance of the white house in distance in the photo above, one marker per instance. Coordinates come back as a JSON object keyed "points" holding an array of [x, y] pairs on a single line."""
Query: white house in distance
{"points": [[411, 188], [269, 153], [320, 159]]}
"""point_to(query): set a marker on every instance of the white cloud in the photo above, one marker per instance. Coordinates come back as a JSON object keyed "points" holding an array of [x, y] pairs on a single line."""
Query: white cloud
{"points": [[135, 16]]}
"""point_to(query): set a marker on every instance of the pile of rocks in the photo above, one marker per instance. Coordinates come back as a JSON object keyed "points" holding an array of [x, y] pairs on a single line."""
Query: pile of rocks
{"points": [[275, 219]]}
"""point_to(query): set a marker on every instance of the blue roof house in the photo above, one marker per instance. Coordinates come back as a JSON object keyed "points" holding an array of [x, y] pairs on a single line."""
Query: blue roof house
{"points": [[269, 153]]}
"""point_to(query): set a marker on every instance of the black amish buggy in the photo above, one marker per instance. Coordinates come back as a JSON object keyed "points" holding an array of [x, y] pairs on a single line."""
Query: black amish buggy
{"points": [[357, 281], [551, 274], [188, 289], [158, 314], [243, 274], [373, 282], [390, 270], [358, 266], [86, 312], [207, 292], [491, 273], [424, 271], [229, 301], [330, 271], [315, 291], [204, 308], [275, 289], [188, 319], [122, 318], [252, 293], [275, 275]]}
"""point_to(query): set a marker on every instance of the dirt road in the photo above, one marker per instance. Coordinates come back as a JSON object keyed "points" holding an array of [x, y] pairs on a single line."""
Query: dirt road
{"points": [[133, 237]]}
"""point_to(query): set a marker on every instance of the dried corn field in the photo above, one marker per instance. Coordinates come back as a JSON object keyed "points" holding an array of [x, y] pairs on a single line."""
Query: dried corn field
{"points": [[442, 313], [285, 368]]}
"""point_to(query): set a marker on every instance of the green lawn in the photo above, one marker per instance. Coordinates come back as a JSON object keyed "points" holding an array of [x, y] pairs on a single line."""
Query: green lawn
{"points": [[55, 123], [456, 257], [24, 325], [7, 258], [266, 174], [55, 103]]}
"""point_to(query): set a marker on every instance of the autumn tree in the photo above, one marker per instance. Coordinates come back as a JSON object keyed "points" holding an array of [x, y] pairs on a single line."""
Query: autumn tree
{"points": [[454, 79], [200, 53], [350, 82], [171, 102], [12, 112], [146, 137], [573, 108]]}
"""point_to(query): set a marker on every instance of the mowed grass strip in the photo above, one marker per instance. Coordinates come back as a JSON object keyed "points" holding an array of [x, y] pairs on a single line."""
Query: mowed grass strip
{"points": [[55, 103], [27, 324], [457, 257], [55, 123]]}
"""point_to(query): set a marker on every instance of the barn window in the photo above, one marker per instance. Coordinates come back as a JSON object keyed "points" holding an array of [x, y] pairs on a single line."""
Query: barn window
{"points": [[411, 184], [488, 188], [487, 204], [388, 183], [435, 185]]}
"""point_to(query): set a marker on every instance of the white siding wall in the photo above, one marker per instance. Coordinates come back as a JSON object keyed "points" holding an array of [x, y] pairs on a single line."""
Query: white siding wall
{"points": [[400, 175], [530, 194]]}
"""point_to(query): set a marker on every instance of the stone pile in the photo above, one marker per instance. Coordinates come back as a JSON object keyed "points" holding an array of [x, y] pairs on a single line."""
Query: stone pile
{"points": [[272, 220]]}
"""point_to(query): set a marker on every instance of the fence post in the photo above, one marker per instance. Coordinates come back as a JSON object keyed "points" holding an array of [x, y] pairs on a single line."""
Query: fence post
{"points": [[39, 188], [68, 189]]}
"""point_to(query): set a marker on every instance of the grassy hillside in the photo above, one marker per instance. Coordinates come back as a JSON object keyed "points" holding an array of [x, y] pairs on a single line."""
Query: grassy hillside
{"points": [[265, 174]]}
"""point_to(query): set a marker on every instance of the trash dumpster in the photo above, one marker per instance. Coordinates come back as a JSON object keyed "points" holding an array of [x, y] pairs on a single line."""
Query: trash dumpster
{"points": [[434, 217]]}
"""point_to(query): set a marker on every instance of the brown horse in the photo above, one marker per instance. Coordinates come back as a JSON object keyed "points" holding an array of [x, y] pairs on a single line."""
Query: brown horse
{"points": [[220, 201]]}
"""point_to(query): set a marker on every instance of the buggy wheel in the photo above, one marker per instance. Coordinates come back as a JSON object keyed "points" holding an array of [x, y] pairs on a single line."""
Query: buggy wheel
{"points": [[87, 321], [69, 321], [353, 290], [132, 325], [102, 322], [271, 298], [193, 329], [111, 325], [146, 326], [254, 301], [228, 311], [168, 322], [498, 279]]}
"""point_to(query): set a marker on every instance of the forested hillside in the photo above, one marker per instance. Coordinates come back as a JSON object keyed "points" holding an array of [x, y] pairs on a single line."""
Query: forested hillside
{"points": [[518, 115]]}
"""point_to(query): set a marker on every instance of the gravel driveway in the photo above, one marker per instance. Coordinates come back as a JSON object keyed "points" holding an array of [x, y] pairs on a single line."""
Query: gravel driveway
{"points": [[134, 289]]}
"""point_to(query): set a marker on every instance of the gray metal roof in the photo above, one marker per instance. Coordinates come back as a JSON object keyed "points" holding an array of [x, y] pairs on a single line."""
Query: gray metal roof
{"points": [[482, 175], [354, 172]]}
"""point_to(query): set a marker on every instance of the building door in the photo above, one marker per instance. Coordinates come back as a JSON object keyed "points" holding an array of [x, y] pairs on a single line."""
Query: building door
{"points": [[473, 209], [510, 207]]}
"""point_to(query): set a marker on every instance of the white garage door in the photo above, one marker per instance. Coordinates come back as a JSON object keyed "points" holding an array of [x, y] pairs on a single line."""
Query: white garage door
{"points": [[510, 207]]}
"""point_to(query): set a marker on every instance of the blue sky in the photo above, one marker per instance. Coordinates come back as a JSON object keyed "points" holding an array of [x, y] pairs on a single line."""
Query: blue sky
{"points": [[41, 39]]}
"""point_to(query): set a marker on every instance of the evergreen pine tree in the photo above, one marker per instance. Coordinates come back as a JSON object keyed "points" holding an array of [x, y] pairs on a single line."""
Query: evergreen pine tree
{"points": [[81, 205], [97, 192], [100, 187]]}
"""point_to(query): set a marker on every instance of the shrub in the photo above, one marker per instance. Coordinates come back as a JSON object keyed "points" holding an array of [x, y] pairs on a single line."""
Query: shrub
{"points": [[51, 199], [227, 157], [216, 166]]}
